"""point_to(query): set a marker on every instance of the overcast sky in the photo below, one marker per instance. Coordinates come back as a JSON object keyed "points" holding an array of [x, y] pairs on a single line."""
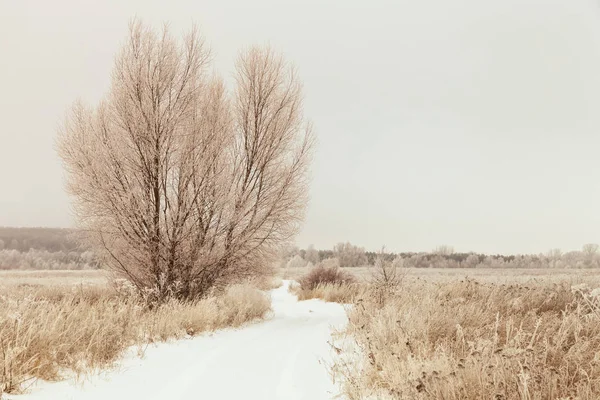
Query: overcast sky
{"points": [[471, 123]]}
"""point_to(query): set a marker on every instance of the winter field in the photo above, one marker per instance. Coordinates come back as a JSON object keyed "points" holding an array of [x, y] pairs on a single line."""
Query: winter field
{"points": [[497, 275], [219, 162], [99, 277], [11, 278], [413, 334]]}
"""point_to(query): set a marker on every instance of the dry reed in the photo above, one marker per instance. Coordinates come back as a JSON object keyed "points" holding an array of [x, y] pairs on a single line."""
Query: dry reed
{"points": [[49, 332], [468, 340]]}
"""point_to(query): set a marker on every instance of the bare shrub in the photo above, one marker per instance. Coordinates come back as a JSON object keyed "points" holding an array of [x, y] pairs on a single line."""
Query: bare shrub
{"points": [[325, 275], [387, 278], [466, 340], [179, 185], [49, 330], [327, 281], [387, 273]]}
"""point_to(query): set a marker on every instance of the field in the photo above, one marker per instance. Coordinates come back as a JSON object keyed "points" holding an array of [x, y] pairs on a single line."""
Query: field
{"points": [[590, 277], [100, 277], [428, 335], [491, 275], [54, 324], [279, 358], [11, 278], [465, 333]]}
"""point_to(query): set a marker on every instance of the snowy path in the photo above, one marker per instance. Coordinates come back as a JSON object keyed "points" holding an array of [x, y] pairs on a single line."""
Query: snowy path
{"points": [[277, 359]]}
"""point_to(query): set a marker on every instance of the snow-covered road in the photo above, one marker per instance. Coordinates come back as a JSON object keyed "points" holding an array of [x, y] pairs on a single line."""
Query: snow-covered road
{"points": [[281, 358]]}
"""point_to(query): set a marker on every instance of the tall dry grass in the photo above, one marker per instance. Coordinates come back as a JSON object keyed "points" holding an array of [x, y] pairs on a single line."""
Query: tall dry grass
{"points": [[48, 332], [467, 340], [491, 275], [12, 278]]}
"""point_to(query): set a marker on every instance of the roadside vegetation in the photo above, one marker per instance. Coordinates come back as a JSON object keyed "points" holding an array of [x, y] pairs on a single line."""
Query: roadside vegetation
{"points": [[327, 281], [55, 331], [410, 338]]}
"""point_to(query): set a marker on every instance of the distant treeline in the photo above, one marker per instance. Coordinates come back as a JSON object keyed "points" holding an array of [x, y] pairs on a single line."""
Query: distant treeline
{"points": [[49, 239], [348, 255], [42, 248], [372, 256], [55, 248]]}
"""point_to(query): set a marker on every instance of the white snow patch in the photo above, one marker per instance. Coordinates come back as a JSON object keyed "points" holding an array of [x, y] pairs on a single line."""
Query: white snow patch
{"points": [[282, 358]]}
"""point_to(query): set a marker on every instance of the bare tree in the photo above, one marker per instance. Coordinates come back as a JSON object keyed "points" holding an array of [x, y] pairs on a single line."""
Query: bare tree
{"points": [[178, 184], [554, 258], [443, 250], [296, 262], [387, 277], [471, 261], [350, 255], [590, 255], [311, 255]]}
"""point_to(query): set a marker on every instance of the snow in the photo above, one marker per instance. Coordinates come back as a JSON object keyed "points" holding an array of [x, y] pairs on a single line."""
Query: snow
{"points": [[284, 357]]}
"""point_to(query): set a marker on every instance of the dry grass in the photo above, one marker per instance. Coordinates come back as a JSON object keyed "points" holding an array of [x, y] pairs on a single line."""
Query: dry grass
{"points": [[491, 275], [47, 332], [469, 340], [10, 278], [507, 275]]}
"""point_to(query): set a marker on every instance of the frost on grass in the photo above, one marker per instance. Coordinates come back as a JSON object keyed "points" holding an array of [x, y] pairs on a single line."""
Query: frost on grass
{"points": [[49, 332], [282, 358], [470, 340]]}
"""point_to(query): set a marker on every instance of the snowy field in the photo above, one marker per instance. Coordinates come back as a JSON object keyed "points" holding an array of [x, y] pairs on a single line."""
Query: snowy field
{"points": [[284, 357]]}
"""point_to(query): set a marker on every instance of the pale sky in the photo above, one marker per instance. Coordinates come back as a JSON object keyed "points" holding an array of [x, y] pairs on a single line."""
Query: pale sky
{"points": [[471, 123]]}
